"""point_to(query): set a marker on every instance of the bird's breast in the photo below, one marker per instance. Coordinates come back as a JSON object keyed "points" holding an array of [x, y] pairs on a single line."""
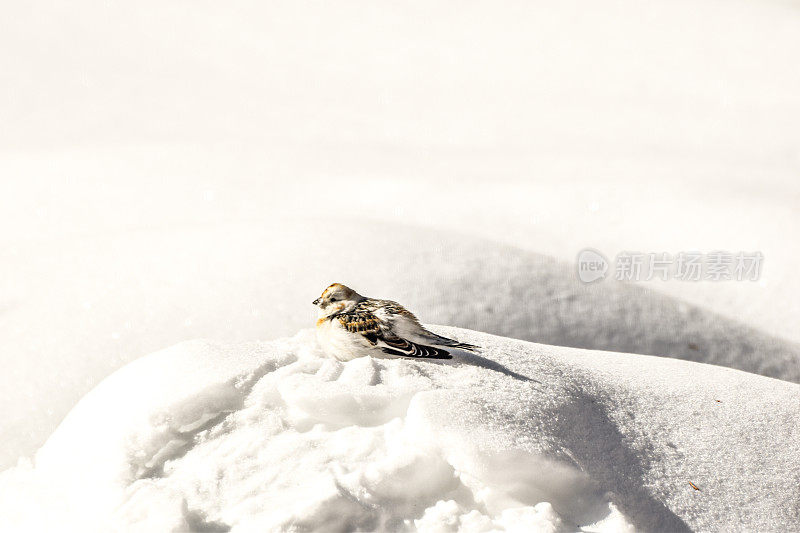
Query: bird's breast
{"points": [[336, 341]]}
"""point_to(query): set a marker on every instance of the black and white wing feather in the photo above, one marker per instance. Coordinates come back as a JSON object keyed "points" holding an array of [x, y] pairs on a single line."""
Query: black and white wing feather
{"points": [[406, 325], [378, 332]]}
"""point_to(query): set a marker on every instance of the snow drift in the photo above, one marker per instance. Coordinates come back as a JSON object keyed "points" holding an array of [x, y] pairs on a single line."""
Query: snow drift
{"points": [[265, 436], [146, 147], [116, 297]]}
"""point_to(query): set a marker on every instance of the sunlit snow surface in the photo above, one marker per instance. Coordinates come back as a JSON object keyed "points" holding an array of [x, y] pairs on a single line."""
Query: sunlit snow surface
{"points": [[151, 152], [525, 437], [170, 171], [115, 297]]}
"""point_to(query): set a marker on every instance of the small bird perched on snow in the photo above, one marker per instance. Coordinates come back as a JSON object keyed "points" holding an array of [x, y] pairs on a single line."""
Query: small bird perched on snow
{"points": [[352, 326]]}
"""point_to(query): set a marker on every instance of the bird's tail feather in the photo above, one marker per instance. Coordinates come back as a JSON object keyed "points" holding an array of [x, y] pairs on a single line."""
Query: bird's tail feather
{"points": [[464, 346], [450, 343]]}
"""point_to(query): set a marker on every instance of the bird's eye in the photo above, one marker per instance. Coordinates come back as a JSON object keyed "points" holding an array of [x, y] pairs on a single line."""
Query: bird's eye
{"points": [[333, 298]]}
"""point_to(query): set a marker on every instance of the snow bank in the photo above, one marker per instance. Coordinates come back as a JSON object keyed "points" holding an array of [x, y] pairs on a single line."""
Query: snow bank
{"points": [[142, 179], [264, 436], [117, 297]]}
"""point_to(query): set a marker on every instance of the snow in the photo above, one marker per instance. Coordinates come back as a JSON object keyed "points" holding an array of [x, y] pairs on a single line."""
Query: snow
{"points": [[174, 171], [114, 298], [523, 437]]}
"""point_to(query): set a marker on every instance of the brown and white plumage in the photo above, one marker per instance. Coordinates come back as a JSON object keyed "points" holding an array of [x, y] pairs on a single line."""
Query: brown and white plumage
{"points": [[351, 326]]}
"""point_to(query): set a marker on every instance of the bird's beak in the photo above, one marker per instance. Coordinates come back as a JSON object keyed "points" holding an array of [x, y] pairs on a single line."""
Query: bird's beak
{"points": [[316, 302]]}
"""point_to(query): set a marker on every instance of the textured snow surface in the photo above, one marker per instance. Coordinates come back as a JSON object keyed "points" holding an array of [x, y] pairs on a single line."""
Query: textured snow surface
{"points": [[117, 297], [151, 151], [526, 437]]}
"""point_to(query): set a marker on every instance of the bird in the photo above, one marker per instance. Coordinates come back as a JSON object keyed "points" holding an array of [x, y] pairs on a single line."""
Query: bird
{"points": [[350, 326]]}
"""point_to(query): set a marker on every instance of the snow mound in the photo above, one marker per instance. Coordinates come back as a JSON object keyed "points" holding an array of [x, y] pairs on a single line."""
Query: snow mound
{"points": [[525, 437], [132, 293]]}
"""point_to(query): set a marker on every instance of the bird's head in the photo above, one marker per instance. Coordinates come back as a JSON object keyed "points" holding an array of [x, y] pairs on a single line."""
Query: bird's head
{"points": [[337, 298]]}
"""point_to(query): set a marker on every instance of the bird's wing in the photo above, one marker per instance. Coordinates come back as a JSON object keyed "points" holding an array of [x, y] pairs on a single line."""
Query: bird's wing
{"points": [[362, 322], [404, 348], [378, 333], [405, 324]]}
